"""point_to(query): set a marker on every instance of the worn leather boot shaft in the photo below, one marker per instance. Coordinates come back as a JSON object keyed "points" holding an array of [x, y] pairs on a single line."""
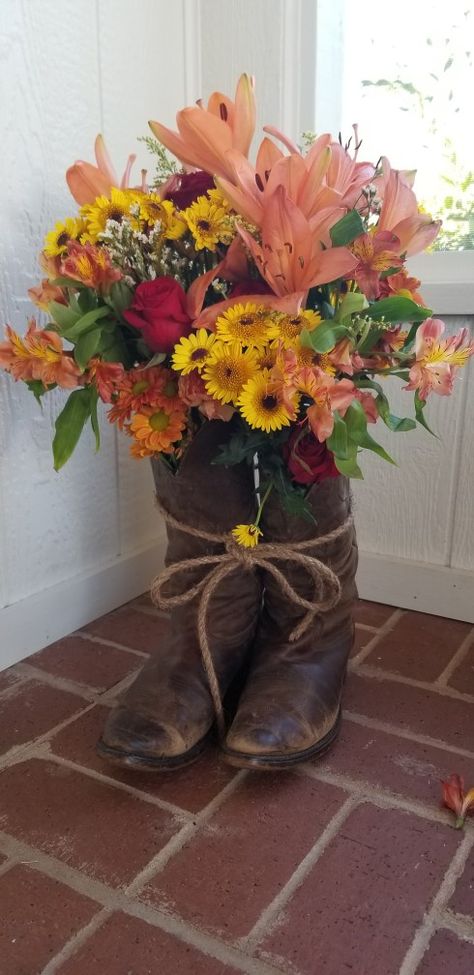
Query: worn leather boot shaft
{"points": [[290, 707], [164, 718]]}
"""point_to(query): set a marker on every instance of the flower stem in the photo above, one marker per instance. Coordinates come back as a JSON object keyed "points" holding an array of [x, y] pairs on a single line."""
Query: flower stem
{"points": [[262, 503]]}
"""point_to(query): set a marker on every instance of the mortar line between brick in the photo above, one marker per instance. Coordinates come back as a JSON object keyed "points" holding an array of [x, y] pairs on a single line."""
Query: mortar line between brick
{"points": [[269, 916], [379, 634], [459, 656], [459, 924], [76, 941], [429, 924], [31, 672], [5, 867], [376, 673], [44, 752], [18, 753], [391, 729], [176, 843], [367, 628], [91, 637], [150, 611], [377, 796], [117, 900]]}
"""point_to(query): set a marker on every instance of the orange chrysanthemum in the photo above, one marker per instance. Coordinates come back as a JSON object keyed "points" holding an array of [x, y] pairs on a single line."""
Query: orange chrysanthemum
{"points": [[156, 430], [156, 386]]}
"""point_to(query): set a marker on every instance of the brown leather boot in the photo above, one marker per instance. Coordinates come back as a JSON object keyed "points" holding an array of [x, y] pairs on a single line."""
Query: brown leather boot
{"points": [[290, 707], [165, 718]]}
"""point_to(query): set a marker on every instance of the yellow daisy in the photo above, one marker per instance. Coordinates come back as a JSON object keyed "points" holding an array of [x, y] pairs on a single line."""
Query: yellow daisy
{"points": [[261, 404], [227, 370], [114, 207], [216, 197], [288, 328], [154, 210], [247, 324], [56, 241], [247, 535], [209, 224], [193, 351]]}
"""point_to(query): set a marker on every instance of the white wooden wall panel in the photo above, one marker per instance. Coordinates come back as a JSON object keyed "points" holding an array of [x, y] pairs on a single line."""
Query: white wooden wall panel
{"points": [[462, 548]]}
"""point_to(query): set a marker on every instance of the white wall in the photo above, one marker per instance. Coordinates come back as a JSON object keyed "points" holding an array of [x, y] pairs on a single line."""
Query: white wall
{"points": [[75, 544]]}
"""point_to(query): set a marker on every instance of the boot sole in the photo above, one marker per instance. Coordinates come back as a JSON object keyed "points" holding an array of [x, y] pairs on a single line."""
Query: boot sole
{"points": [[145, 763], [268, 763]]}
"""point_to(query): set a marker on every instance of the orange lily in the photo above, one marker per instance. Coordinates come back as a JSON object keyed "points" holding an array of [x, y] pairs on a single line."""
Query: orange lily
{"points": [[456, 799], [205, 135], [86, 182], [296, 253], [400, 214]]}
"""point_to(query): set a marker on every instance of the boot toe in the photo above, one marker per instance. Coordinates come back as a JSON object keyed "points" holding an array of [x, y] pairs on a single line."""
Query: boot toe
{"points": [[135, 740], [280, 741]]}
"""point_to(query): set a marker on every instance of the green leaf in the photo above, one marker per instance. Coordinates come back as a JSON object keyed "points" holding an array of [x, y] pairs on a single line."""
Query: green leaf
{"points": [[370, 444], [39, 389], [94, 417], [356, 422], [84, 323], [349, 467], [87, 346], [324, 337], [347, 229], [63, 315], [338, 442], [120, 297], [419, 413], [352, 303], [70, 424], [394, 423], [398, 309]]}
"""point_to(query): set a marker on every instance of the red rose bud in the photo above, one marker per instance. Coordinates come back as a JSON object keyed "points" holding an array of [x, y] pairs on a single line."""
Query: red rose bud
{"points": [[309, 462], [185, 188], [159, 311]]}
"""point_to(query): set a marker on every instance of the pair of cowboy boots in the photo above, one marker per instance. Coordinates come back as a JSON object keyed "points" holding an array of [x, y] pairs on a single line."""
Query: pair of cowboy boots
{"points": [[289, 691]]}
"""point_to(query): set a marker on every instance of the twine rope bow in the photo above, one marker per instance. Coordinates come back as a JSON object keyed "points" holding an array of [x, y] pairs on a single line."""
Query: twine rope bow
{"points": [[326, 592]]}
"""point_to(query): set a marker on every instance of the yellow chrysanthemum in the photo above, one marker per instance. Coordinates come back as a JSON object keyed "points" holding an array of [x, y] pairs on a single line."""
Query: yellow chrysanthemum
{"points": [[227, 370], [288, 328], [209, 224], [154, 210], [247, 535], [156, 430], [114, 207], [267, 357], [261, 404], [56, 241], [247, 324], [216, 197], [193, 351]]}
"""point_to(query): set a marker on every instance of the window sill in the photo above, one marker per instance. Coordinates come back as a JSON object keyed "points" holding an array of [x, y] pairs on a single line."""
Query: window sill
{"points": [[447, 279]]}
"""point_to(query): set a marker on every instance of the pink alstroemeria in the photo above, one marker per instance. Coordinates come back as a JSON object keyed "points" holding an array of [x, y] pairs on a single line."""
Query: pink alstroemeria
{"points": [[86, 182], [400, 214], [455, 798], [205, 135], [296, 253], [375, 253], [437, 358]]}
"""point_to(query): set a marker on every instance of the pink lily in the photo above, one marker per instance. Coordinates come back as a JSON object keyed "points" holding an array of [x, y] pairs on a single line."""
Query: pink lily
{"points": [[205, 135], [437, 358], [86, 182], [400, 214], [291, 257]]}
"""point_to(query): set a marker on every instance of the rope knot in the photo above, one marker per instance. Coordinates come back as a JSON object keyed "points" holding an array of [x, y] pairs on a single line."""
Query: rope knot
{"points": [[245, 556]]}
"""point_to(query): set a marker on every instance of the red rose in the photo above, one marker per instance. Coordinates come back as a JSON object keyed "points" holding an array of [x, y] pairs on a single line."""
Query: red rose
{"points": [[250, 286], [185, 188], [159, 311], [309, 461]]}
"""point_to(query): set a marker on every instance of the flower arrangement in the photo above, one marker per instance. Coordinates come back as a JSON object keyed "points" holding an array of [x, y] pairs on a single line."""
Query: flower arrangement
{"points": [[274, 292]]}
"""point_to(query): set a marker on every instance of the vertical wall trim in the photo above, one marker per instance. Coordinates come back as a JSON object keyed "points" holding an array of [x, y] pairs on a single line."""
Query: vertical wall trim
{"points": [[461, 439]]}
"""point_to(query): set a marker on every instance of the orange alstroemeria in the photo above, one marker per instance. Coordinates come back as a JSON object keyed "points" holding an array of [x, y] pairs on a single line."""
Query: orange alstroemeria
{"points": [[456, 799], [86, 182], [106, 377], [400, 214], [206, 134], [325, 393], [296, 253], [90, 265], [43, 294], [401, 284], [38, 355], [375, 253], [437, 358]]}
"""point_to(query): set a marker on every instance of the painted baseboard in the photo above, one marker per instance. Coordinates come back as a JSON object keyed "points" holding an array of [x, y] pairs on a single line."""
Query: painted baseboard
{"points": [[33, 623], [427, 588]]}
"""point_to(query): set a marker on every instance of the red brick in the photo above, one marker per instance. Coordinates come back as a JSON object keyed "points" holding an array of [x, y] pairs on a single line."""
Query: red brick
{"points": [[140, 631], [395, 764], [32, 710], [190, 788], [38, 916], [360, 905], [420, 711], [8, 679], [102, 831], [372, 614], [86, 661], [463, 677], [230, 871], [447, 954], [463, 898], [419, 646], [361, 639], [127, 946]]}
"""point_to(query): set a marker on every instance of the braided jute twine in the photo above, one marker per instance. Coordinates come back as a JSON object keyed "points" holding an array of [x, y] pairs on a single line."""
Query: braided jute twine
{"points": [[327, 587]]}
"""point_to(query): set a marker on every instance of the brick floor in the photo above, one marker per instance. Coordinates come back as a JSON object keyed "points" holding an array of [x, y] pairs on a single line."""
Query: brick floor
{"points": [[346, 865]]}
